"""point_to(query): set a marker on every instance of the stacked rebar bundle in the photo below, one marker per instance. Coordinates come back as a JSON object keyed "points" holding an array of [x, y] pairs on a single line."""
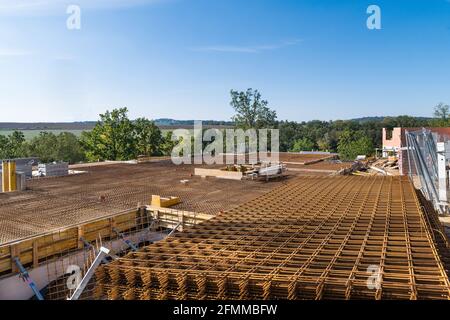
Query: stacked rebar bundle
{"points": [[53, 169], [313, 238]]}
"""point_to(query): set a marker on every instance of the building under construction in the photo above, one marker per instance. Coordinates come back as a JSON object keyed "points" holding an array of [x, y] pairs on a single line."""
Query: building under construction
{"points": [[310, 233]]}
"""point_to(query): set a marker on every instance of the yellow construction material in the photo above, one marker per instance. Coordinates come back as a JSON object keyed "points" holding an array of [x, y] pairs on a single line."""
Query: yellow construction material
{"points": [[5, 176], [9, 176], [161, 202], [12, 176], [233, 175]]}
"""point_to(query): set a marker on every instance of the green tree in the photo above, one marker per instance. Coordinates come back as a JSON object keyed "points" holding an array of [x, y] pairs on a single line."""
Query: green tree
{"points": [[441, 113], [69, 148], [44, 146], [167, 144], [4, 147], [251, 110], [323, 143], [289, 132], [354, 143], [148, 137], [13, 145], [409, 122], [112, 138], [49, 147], [303, 144]]}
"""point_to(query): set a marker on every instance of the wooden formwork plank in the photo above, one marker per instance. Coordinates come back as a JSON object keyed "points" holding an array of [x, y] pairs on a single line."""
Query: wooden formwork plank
{"points": [[33, 250]]}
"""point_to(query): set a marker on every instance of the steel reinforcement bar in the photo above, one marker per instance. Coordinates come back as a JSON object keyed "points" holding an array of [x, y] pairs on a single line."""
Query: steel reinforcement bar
{"points": [[313, 238]]}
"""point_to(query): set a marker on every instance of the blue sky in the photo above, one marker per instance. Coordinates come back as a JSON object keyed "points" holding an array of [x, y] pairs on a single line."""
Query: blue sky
{"points": [[311, 59]]}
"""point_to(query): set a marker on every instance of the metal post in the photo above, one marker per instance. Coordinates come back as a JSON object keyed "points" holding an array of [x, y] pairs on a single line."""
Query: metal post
{"points": [[174, 229], [26, 278], [129, 243]]}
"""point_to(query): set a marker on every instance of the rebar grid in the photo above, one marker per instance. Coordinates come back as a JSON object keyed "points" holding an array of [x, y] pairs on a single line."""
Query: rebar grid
{"points": [[54, 203], [60, 267], [62, 276], [314, 238], [323, 165]]}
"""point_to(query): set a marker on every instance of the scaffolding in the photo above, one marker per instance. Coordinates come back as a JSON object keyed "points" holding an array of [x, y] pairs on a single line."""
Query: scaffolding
{"points": [[427, 165], [313, 238]]}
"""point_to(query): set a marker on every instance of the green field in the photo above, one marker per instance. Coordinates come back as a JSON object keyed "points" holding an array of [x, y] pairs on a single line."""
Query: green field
{"points": [[29, 134]]}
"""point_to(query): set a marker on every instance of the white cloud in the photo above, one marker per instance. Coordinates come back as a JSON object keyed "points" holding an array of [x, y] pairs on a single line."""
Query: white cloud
{"points": [[11, 53], [246, 49], [49, 7], [64, 58]]}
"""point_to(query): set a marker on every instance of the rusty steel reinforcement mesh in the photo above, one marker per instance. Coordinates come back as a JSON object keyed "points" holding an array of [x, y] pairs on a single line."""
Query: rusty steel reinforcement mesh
{"points": [[313, 238], [58, 202]]}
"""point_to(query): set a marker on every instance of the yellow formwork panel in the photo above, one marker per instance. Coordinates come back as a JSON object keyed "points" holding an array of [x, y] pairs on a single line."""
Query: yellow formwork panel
{"points": [[9, 176], [159, 201], [5, 176], [12, 176]]}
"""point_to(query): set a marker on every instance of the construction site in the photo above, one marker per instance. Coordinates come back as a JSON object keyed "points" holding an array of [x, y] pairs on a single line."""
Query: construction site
{"points": [[307, 227]]}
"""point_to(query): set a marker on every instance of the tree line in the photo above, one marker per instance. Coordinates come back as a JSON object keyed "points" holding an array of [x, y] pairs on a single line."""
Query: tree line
{"points": [[116, 137], [349, 138]]}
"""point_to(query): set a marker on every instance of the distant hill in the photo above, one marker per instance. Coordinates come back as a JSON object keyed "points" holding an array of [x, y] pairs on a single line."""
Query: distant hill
{"points": [[172, 122], [83, 125], [367, 119], [381, 118], [162, 123], [88, 125]]}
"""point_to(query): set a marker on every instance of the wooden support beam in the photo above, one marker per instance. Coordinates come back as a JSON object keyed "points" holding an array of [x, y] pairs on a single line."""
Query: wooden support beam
{"points": [[15, 252], [80, 233], [35, 254], [112, 226]]}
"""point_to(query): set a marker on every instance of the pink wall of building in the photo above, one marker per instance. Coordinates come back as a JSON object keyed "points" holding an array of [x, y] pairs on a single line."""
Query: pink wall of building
{"points": [[394, 142]]}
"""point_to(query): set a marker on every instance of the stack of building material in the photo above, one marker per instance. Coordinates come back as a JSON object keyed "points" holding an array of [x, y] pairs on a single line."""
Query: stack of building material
{"points": [[25, 165], [53, 169], [342, 237], [26, 170]]}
